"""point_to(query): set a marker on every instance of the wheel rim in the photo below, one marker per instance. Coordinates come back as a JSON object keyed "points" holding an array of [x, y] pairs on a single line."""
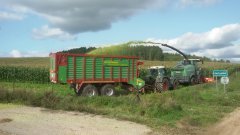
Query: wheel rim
{"points": [[109, 91], [91, 93], [165, 86]]}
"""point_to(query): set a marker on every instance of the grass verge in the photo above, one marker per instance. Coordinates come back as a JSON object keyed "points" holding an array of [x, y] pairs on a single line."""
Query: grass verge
{"points": [[197, 106]]}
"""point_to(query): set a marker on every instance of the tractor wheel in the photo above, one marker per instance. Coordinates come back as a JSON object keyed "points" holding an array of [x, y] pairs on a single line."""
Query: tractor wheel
{"points": [[157, 87], [89, 91], [201, 80], [193, 80], [108, 90], [175, 84], [164, 85]]}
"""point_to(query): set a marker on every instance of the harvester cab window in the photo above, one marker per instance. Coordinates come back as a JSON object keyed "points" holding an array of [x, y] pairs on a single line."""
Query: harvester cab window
{"points": [[186, 62]]}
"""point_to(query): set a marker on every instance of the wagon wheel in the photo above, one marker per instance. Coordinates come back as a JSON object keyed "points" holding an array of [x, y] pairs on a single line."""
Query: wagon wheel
{"points": [[89, 91], [108, 90]]}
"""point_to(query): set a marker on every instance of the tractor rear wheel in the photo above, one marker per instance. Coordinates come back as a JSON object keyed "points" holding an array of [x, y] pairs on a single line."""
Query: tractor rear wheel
{"points": [[108, 90], [164, 86], [89, 91]]}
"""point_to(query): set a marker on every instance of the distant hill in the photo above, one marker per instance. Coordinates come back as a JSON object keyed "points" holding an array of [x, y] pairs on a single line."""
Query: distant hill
{"points": [[129, 49], [144, 52]]}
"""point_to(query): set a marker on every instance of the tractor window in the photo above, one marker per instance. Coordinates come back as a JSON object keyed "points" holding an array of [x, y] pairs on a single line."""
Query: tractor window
{"points": [[179, 64], [162, 72], [154, 72]]}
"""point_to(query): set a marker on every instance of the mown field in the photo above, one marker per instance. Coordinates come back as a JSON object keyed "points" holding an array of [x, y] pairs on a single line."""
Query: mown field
{"points": [[25, 62], [194, 106]]}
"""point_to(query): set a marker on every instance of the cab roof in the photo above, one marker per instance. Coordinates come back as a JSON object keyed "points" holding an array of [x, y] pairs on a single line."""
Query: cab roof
{"points": [[156, 67]]}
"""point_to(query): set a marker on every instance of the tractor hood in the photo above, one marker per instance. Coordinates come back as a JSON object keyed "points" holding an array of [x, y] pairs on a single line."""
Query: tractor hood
{"points": [[178, 68]]}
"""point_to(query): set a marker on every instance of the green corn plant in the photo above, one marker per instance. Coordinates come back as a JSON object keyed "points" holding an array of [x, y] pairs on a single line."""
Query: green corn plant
{"points": [[24, 74]]}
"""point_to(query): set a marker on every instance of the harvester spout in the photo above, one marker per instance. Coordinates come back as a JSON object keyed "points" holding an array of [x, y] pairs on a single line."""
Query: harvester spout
{"points": [[173, 48], [185, 57]]}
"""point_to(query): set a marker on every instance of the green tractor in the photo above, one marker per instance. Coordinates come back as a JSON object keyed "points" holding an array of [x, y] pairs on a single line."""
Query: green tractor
{"points": [[159, 79], [187, 71]]}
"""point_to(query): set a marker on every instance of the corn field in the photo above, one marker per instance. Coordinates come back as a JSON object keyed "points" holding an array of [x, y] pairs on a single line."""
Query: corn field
{"points": [[41, 75], [24, 74]]}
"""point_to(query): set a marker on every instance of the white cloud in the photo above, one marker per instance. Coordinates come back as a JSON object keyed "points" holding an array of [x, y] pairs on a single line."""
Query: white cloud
{"points": [[46, 32], [83, 15], [17, 54], [79, 16], [10, 16], [197, 2], [216, 43]]}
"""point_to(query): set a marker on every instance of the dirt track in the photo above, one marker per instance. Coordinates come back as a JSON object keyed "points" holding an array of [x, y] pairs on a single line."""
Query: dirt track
{"points": [[230, 125], [23, 120]]}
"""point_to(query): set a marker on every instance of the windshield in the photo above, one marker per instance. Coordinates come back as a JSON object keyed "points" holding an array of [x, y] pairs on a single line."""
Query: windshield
{"points": [[154, 72], [162, 71]]}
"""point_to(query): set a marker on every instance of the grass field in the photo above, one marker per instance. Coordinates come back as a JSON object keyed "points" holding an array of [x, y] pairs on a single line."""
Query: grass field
{"points": [[26, 62]]}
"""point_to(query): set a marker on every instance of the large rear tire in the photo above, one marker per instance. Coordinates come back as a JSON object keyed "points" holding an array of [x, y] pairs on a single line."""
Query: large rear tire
{"points": [[164, 86], [89, 91], [108, 90]]}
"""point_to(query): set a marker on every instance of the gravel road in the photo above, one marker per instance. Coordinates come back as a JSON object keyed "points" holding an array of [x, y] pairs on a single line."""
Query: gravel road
{"points": [[22, 120], [230, 125]]}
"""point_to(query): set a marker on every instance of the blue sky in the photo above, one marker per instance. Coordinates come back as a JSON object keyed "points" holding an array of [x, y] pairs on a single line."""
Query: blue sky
{"points": [[203, 27]]}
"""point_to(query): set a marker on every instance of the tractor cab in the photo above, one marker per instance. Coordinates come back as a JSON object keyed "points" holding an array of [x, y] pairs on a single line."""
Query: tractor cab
{"points": [[159, 77], [190, 62], [157, 71]]}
